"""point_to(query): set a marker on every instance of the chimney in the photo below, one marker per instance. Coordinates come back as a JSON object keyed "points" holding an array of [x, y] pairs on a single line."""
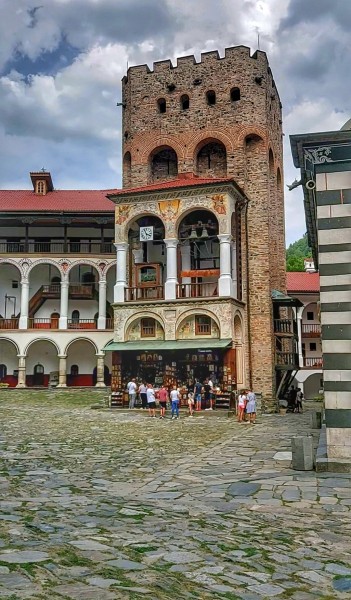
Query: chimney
{"points": [[42, 182], [309, 265]]}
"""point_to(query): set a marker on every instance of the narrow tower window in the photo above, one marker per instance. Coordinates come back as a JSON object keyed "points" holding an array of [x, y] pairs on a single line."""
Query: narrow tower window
{"points": [[161, 103], [185, 102], [235, 94], [211, 97]]}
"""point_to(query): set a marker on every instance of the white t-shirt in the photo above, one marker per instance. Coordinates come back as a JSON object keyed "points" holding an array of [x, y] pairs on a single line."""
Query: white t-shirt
{"points": [[242, 400], [132, 388], [150, 395], [174, 396]]}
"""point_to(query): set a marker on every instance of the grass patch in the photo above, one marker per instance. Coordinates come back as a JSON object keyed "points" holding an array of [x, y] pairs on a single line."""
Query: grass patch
{"points": [[145, 549], [69, 558]]}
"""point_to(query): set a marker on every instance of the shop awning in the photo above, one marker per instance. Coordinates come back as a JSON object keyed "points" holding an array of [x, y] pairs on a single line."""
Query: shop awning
{"points": [[161, 345]]}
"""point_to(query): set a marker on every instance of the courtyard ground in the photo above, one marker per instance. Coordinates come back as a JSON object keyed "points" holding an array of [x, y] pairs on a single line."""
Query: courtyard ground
{"points": [[108, 505]]}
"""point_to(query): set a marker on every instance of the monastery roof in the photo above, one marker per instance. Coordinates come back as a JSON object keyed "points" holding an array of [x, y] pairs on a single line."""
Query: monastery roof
{"points": [[297, 281], [183, 181], [55, 201]]}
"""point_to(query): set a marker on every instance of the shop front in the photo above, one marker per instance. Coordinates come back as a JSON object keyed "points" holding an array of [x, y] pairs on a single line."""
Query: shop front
{"points": [[171, 363]]}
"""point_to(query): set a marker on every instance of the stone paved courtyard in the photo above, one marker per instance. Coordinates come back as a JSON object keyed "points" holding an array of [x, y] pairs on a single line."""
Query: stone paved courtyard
{"points": [[107, 505]]}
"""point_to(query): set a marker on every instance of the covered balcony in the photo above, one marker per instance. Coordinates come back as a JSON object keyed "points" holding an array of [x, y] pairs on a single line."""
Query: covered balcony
{"points": [[58, 247]]}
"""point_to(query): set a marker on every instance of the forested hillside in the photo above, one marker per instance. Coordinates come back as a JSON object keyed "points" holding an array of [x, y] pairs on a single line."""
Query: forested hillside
{"points": [[296, 253]]}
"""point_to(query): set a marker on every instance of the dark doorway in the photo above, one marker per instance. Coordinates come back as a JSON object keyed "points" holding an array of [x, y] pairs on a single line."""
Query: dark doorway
{"points": [[38, 375]]}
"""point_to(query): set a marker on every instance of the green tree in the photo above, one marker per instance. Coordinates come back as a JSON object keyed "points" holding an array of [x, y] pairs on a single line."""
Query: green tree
{"points": [[296, 253]]}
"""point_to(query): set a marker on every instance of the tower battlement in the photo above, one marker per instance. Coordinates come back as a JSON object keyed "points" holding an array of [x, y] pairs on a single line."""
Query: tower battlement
{"points": [[232, 53]]}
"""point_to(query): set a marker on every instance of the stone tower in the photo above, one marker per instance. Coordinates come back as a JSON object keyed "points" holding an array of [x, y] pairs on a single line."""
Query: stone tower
{"points": [[220, 117]]}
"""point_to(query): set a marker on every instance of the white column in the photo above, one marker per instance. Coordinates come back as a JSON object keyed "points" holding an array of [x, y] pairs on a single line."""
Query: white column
{"points": [[234, 270], [186, 266], [62, 371], [21, 383], [121, 276], [171, 263], [225, 282], [64, 305], [23, 320], [299, 333], [100, 370], [102, 305]]}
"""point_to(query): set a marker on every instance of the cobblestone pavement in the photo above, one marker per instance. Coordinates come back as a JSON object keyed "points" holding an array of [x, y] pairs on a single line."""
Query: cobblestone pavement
{"points": [[101, 504]]}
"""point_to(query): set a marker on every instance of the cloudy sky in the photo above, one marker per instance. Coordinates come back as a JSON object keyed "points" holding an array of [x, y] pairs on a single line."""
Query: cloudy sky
{"points": [[61, 62]]}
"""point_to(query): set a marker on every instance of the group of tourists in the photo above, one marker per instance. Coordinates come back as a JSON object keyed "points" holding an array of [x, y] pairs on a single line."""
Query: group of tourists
{"points": [[148, 397], [295, 397]]}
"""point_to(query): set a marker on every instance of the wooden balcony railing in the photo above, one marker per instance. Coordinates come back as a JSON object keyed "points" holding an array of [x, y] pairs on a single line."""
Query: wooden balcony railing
{"points": [[311, 329], [287, 359], [313, 362], [42, 323], [197, 290], [58, 247], [284, 326], [81, 324], [109, 323], [9, 323], [133, 294]]}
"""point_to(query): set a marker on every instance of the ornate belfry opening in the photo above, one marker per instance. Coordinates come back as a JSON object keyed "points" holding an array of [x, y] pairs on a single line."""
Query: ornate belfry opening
{"points": [[146, 258], [163, 164], [199, 254]]}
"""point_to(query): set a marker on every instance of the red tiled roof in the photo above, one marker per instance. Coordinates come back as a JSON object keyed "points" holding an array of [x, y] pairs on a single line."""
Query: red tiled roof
{"points": [[58, 200], [302, 282], [184, 180]]}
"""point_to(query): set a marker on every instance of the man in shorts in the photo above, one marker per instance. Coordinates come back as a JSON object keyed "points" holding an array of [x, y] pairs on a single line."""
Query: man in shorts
{"points": [[162, 398], [132, 391], [151, 400]]}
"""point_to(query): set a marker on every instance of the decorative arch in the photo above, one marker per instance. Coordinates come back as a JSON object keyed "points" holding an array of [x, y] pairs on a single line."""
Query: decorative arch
{"points": [[127, 169], [279, 180], [142, 315], [208, 135], [238, 328], [82, 339], [200, 206], [162, 141], [45, 261], [254, 143], [250, 131], [192, 313], [12, 342], [83, 262], [137, 214], [163, 164], [41, 340], [11, 261]]}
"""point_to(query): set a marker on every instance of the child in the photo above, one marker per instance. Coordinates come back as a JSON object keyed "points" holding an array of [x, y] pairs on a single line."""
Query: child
{"points": [[163, 397], [175, 402], [197, 394], [191, 403], [241, 406]]}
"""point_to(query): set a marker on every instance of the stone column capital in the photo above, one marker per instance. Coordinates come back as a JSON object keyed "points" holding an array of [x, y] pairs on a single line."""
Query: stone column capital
{"points": [[62, 356], [171, 242], [225, 238], [121, 246]]}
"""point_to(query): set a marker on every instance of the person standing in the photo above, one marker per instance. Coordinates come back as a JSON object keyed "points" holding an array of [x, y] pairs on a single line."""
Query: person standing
{"points": [[163, 398], [151, 400], [132, 390], [175, 397], [197, 394], [210, 383], [251, 407], [241, 406], [142, 393], [191, 403], [207, 395], [299, 398]]}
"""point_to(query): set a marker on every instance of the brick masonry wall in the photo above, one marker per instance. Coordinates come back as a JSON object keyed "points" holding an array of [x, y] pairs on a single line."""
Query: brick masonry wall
{"points": [[250, 130]]}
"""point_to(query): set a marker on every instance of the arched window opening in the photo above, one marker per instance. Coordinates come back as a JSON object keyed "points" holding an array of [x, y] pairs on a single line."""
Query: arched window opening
{"points": [[75, 316], [211, 97], [74, 370], [162, 106], [211, 160], [235, 94], [38, 369], [127, 170], [279, 181], [164, 165], [185, 102], [147, 328], [41, 187], [202, 325]]}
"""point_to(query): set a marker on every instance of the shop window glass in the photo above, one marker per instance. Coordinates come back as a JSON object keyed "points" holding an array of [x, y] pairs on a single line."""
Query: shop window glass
{"points": [[148, 327], [202, 325]]}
